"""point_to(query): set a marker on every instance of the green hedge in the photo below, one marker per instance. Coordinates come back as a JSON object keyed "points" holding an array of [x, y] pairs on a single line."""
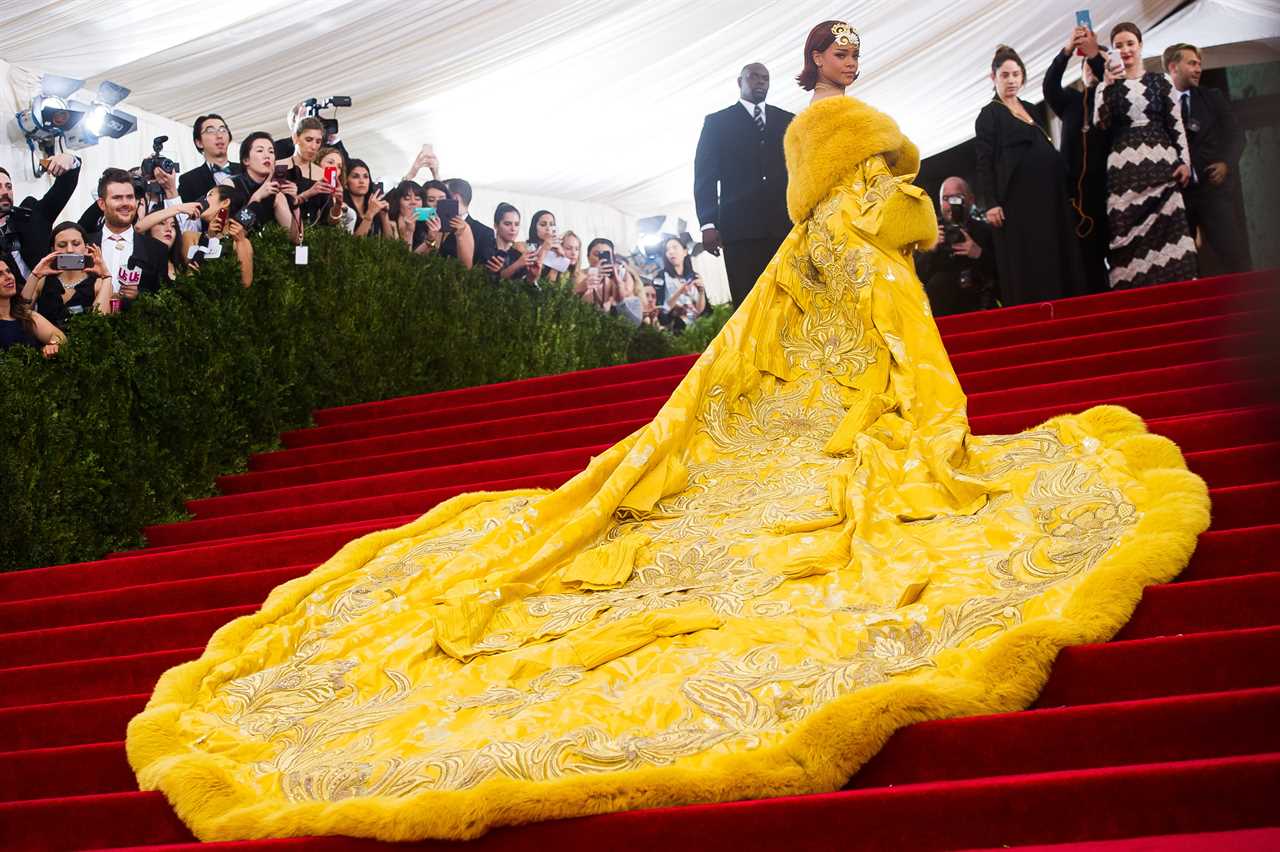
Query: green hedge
{"points": [[141, 411]]}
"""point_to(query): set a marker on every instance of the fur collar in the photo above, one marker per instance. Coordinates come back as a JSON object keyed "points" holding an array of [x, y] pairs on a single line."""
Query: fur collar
{"points": [[826, 141]]}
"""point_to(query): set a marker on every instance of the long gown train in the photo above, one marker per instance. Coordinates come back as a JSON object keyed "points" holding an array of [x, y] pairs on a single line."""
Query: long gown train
{"points": [[804, 550]]}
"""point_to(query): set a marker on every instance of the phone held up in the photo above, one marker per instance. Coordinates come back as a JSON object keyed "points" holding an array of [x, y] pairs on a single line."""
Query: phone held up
{"points": [[331, 176], [280, 173], [1083, 19], [424, 214], [447, 209], [70, 262]]}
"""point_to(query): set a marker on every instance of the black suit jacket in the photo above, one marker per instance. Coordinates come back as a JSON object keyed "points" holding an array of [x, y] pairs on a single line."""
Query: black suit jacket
{"points": [[34, 224], [195, 184], [740, 175], [149, 256], [1213, 132]]}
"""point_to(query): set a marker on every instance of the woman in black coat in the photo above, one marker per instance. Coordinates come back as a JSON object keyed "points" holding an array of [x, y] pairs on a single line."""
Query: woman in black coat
{"points": [[1025, 179]]}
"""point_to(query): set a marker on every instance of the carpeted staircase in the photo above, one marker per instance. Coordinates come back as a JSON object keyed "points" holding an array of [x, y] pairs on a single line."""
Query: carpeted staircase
{"points": [[1169, 733]]}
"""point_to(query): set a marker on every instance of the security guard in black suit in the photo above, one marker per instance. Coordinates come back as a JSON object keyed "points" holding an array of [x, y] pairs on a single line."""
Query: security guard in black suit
{"points": [[1216, 141], [740, 182]]}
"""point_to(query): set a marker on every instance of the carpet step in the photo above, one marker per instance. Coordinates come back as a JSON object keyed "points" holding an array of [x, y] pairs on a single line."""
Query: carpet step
{"points": [[1193, 727], [1005, 810], [66, 723], [1125, 319], [181, 619], [1236, 465], [507, 392], [1249, 289], [1148, 406], [1085, 674], [1118, 343], [377, 484], [622, 392], [1244, 840]]}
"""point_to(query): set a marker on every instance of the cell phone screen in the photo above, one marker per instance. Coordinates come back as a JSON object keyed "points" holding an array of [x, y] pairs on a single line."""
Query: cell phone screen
{"points": [[280, 173], [1084, 20], [447, 208], [423, 214]]}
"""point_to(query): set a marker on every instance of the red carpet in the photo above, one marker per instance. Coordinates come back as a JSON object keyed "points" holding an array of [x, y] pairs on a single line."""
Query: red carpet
{"points": [[1164, 739]]}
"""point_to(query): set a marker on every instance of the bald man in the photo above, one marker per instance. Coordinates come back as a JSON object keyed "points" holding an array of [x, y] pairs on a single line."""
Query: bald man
{"points": [[740, 181], [959, 273]]}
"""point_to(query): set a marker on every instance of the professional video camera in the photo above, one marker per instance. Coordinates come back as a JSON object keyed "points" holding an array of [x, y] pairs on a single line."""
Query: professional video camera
{"points": [[313, 107], [157, 161]]}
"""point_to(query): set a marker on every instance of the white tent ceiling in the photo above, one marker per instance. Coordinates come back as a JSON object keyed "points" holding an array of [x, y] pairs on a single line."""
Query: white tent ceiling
{"points": [[599, 101]]}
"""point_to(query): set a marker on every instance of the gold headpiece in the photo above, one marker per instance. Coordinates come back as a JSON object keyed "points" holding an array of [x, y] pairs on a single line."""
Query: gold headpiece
{"points": [[846, 36]]}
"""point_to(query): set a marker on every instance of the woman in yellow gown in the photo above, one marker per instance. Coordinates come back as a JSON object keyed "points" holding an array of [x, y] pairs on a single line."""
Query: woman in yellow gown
{"points": [[805, 550]]}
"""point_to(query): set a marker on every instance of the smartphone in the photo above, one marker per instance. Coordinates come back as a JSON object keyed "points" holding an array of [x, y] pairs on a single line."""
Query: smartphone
{"points": [[424, 214], [606, 256], [1115, 63], [220, 220], [247, 218], [447, 208], [1083, 19], [377, 188], [280, 173], [71, 261], [331, 176]]}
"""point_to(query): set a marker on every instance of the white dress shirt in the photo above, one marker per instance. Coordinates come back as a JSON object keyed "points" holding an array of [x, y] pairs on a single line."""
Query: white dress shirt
{"points": [[116, 251]]}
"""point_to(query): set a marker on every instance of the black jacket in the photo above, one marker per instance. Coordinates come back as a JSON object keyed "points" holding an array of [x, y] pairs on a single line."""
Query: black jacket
{"points": [[999, 143], [149, 256], [1075, 109], [740, 175], [1213, 132], [195, 184], [33, 224]]}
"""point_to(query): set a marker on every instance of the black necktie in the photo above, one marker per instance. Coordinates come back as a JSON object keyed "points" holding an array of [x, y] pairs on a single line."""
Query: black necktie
{"points": [[1186, 110], [759, 117]]}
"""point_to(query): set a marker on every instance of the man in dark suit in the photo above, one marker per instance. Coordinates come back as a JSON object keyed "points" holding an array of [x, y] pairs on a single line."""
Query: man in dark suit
{"points": [[138, 263], [27, 231], [213, 139], [486, 241], [740, 182], [1217, 142]]}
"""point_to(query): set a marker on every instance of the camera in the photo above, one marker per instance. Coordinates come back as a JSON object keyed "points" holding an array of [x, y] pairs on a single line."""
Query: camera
{"points": [[953, 227], [157, 161], [71, 261]]}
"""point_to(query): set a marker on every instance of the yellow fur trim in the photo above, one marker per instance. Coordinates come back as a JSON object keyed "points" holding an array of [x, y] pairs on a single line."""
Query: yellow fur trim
{"points": [[818, 756]]}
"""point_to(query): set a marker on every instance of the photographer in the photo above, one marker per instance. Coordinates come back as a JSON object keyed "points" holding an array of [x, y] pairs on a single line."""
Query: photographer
{"points": [[71, 280], [268, 197], [513, 260], [607, 282], [367, 201], [226, 214], [959, 273], [681, 291], [213, 139], [483, 238], [25, 231]]}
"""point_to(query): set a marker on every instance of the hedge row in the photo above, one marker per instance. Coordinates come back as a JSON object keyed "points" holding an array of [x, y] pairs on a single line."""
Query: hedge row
{"points": [[141, 411]]}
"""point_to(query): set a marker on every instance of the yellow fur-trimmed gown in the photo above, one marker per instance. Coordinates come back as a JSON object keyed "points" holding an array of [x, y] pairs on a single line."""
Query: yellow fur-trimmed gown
{"points": [[805, 550]]}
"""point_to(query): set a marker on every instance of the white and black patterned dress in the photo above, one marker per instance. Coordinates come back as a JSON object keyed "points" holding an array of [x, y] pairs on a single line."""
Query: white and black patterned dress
{"points": [[1151, 241]]}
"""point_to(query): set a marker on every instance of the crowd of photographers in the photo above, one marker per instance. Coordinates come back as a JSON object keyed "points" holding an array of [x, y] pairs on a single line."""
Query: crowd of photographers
{"points": [[153, 222]]}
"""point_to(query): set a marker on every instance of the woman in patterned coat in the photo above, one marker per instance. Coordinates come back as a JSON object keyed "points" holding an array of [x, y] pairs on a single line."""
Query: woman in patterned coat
{"points": [[1151, 241]]}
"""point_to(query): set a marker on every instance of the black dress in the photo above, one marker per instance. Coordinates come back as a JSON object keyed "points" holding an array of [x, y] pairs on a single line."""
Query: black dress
{"points": [[1151, 241], [1019, 170], [51, 305], [14, 333]]}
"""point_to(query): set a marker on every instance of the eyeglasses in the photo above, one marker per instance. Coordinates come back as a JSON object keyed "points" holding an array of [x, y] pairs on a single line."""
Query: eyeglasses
{"points": [[215, 131]]}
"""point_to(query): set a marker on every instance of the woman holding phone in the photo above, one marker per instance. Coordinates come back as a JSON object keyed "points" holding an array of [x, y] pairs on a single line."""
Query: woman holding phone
{"points": [[544, 239], [60, 293], [333, 170], [1151, 240], [680, 290], [1025, 179], [514, 260], [367, 201], [403, 202]]}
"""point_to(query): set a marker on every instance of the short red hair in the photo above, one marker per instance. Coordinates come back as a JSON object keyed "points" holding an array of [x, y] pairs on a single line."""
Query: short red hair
{"points": [[820, 38]]}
